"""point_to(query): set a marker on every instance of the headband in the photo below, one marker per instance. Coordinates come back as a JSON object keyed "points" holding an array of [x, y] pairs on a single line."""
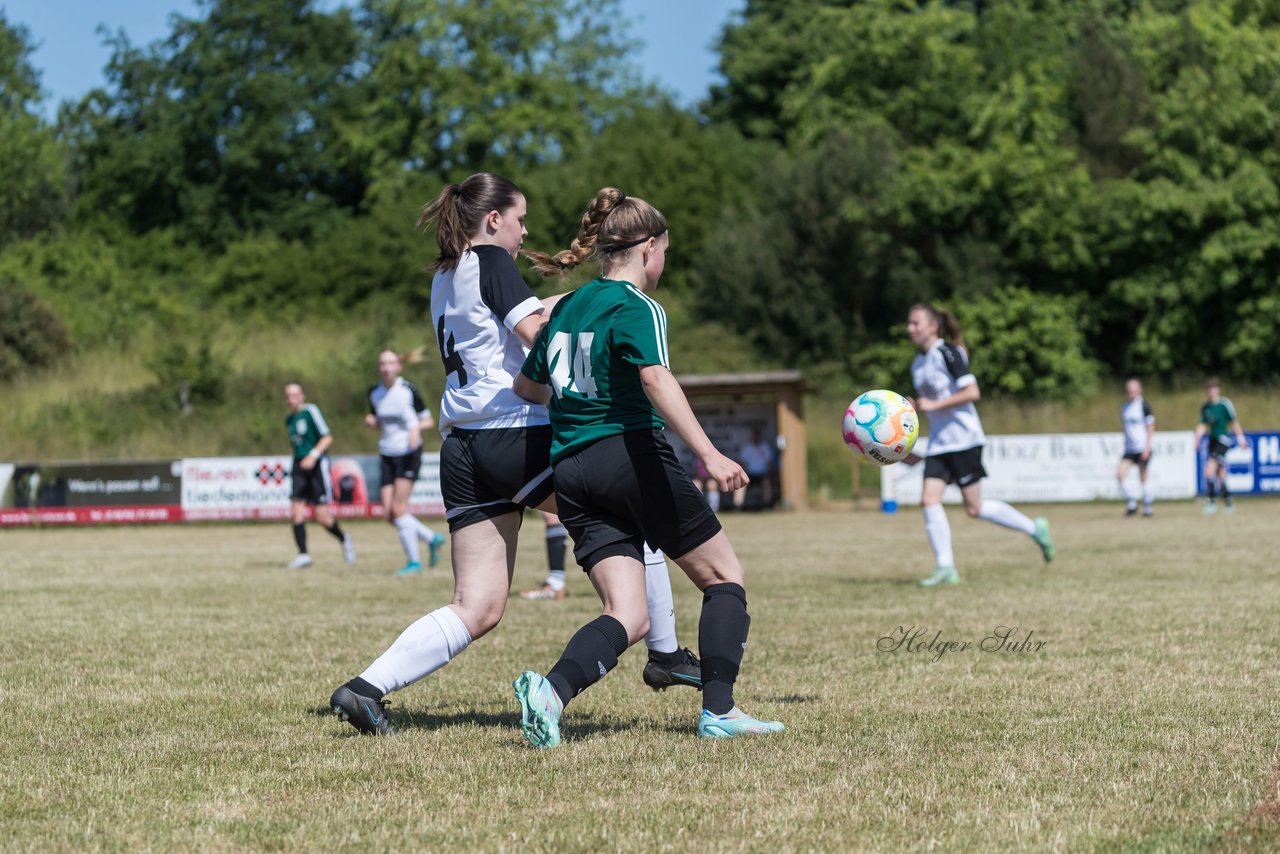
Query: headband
{"points": [[621, 246]]}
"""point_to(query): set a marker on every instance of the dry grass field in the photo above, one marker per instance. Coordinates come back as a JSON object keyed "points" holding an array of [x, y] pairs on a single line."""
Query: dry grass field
{"points": [[165, 688]]}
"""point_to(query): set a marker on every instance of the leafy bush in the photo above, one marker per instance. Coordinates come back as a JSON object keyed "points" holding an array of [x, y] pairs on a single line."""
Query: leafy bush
{"points": [[1028, 345], [31, 333], [189, 372]]}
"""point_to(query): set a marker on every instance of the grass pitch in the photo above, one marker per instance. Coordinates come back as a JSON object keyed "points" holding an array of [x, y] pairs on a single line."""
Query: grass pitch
{"points": [[165, 688]]}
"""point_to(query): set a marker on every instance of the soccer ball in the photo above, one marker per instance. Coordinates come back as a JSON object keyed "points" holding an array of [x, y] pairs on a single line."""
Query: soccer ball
{"points": [[881, 426]]}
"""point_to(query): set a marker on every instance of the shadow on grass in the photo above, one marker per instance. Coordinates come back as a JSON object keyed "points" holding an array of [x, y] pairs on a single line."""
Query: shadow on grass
{"points": [[881, 580], [793, 699], [404, 721]]}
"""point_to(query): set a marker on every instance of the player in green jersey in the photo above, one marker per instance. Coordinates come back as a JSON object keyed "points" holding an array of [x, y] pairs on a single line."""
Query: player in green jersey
{"points": [[310, 480], [601, 365], [1217, 418]]}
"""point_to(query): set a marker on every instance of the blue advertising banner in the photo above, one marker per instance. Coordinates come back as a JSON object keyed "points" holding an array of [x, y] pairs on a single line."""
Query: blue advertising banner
{"points": [[1252, 470]]}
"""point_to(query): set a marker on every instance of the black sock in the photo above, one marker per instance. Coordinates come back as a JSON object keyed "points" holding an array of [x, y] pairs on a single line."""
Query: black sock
{"points": [[1211, 486], [364, 689], [336, 530], [591, 653], [300, 537], [667, 659], [722, 639], [1222, 487], [555, 550]]}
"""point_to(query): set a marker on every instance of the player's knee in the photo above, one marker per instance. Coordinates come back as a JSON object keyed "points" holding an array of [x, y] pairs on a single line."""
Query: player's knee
{"points": [[974, 510], [480, 618], [634, 620]]}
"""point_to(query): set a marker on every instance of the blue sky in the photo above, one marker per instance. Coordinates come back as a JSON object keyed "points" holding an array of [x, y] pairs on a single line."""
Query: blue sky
{"points": [[677, 37]]}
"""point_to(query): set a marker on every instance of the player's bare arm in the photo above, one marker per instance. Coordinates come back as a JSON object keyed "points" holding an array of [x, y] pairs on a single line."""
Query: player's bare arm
{"points": [[527, 329], [668, 398], [531, 391], [309, 461], [968, 394]]}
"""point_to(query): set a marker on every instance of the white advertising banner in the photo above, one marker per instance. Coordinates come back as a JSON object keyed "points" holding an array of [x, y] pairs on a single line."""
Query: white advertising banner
{"points": [[258, 487], [235, 487], [1057, 467]]}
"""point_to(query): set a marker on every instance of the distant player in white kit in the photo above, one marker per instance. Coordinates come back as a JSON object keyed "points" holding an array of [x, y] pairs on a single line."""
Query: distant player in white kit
{"points": [[946, 391], [1139, 430], [396, 409]]}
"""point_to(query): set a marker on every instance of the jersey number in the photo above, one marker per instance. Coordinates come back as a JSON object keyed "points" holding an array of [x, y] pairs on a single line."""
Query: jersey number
{"points": [[559, 357], [449, 354]]}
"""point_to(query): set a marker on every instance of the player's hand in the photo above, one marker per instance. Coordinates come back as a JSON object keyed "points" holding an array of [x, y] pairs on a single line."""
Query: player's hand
{"points": [[924, 404], [1146, 454], [371, 420], [911, 459], [726, 472], [308, 462]]}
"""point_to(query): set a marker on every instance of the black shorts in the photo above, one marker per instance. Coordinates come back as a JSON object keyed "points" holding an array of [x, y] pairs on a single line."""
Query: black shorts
{"points": [[959, 467], [626, 490], [1136, 457], [1218, 450], [489, 473], [313, 485], [404, 467]]}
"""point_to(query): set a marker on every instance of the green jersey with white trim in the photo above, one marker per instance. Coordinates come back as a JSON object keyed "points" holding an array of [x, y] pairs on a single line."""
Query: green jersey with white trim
{"points": [[1217, 417], [306, 427], [590, 352]]}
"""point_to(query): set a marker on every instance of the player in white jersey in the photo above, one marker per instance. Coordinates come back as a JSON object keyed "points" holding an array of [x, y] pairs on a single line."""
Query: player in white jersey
{"points": [[496, 456], [397, 410], [946, 391], [1139, 424]]}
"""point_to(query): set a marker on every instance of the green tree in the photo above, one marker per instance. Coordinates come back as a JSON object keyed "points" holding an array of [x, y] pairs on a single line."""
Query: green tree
{"points": [[1118, 150], [33, 169], [234, 123], [454, 87], [691, 170]]}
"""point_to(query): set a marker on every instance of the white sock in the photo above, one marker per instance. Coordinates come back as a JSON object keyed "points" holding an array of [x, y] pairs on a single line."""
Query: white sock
{"points": [[555, 579], [1147, 498], [424, 531], [662, 606], [713, 500], [407, 531], [938, 530], [1128, 496], [422, 649], [1003, 514]]}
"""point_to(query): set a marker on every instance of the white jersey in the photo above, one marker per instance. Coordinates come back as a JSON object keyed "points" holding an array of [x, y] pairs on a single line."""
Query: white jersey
{"points": [[398, 409], [940, 373], [1136, 415], [475, 308]]}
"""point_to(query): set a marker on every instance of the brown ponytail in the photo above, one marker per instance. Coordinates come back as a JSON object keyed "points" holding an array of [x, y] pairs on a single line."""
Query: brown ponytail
{"points": [[417, 354], [948, 327], [614, 222], [459, 211]]}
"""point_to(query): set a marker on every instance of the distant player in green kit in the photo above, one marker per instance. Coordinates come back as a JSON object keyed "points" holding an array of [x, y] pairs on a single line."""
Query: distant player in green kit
{"points": [[1217, 418], [601, 366], [310, 480]]}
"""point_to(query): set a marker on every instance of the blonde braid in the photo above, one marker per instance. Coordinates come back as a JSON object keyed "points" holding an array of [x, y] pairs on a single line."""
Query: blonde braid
{"points": [[584, 246]]}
